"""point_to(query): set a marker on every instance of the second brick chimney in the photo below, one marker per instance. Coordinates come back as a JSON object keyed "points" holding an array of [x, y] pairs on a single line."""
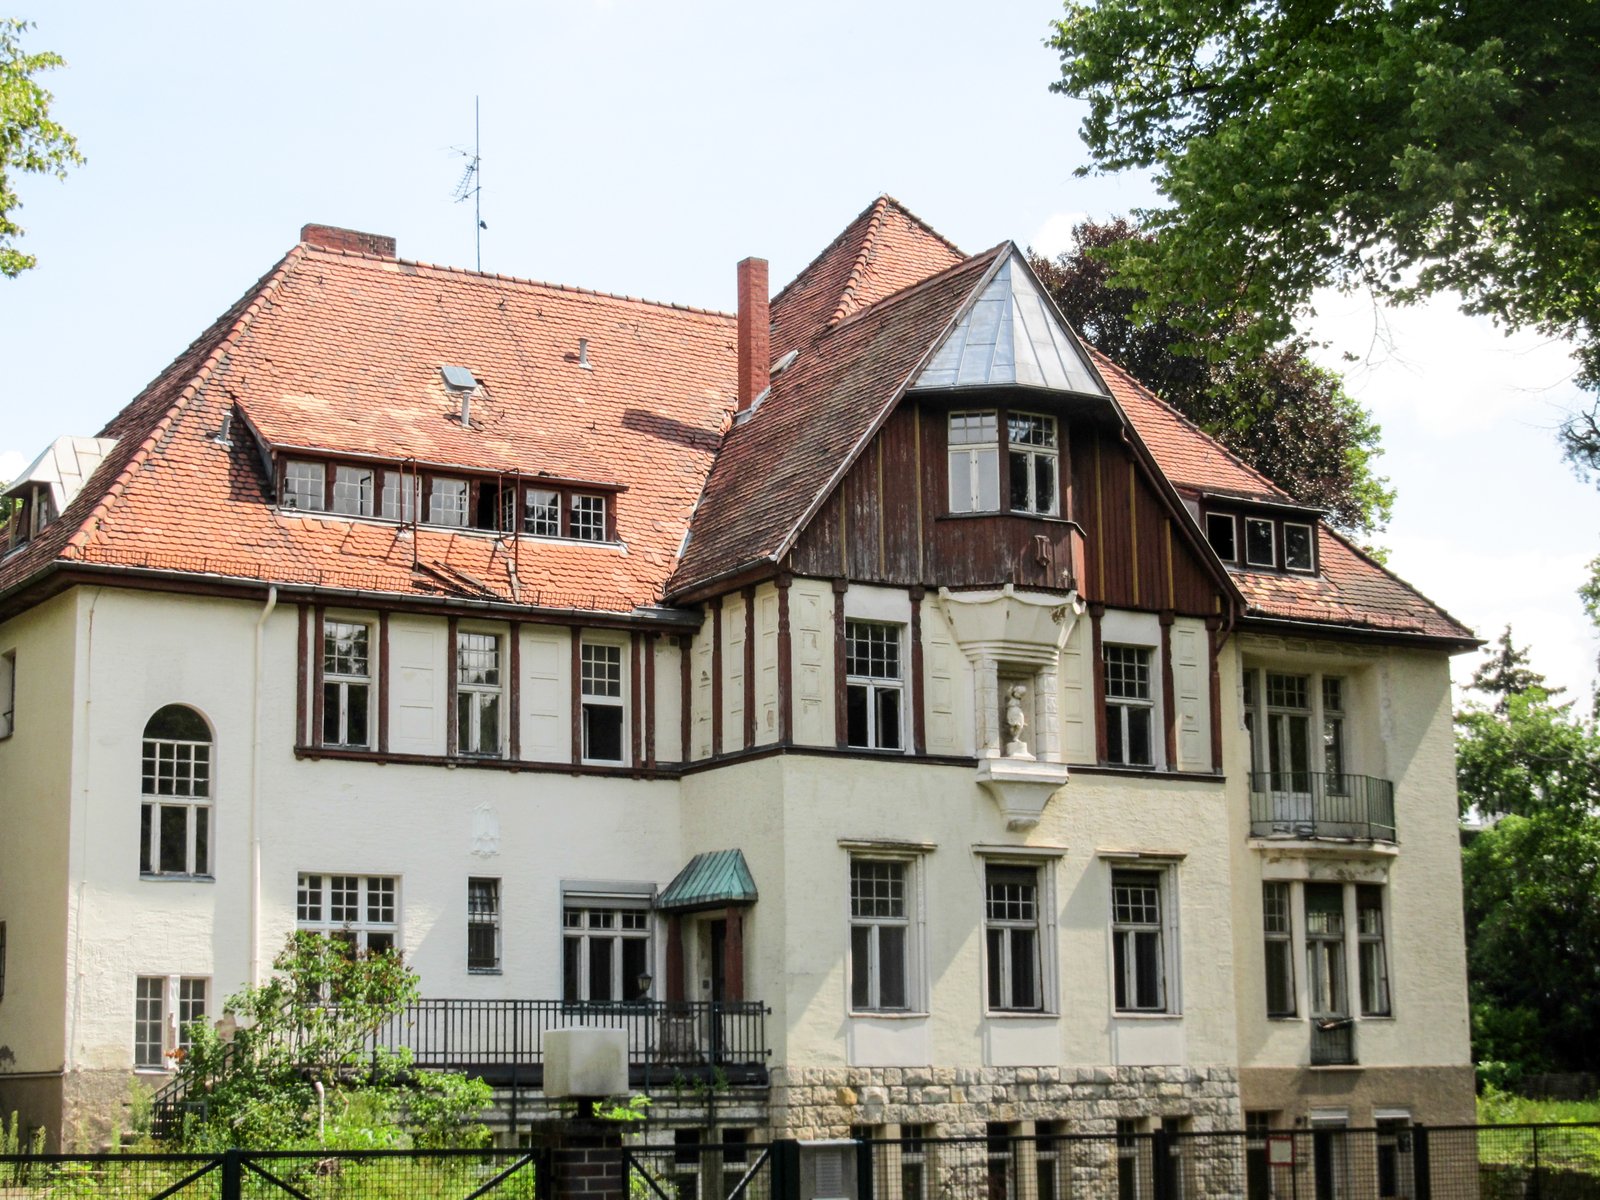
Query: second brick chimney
{"points": [[331, 237], [755, 331]]}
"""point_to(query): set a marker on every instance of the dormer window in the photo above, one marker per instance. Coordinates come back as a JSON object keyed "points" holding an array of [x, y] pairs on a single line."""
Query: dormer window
{"points": [[305, 486], [401, 493], [447, 502], [354, 491], [588, 518], [1297, 542], [541, 512], [1258, 543], [1222, 533]]}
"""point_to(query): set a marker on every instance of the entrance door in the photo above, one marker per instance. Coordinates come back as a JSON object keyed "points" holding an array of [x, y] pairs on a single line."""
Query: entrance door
{"points": [[719, 986]]}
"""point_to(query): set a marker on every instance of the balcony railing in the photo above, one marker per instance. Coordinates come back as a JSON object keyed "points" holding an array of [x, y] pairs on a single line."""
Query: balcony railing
{"points": [[503, 1040], [1333, 1042], [1311, 804]]}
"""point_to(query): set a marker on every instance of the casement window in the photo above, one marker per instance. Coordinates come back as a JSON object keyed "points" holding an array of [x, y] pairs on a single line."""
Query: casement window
{"points": [[914, 1162], [1000, 1160], [360, 910], [478, 692], [1034, 459], [1298, 540], [1374, 964], [346, 683], [605, 954], [402, 495], [305, 486], [1333, 733], [1130, 706], [164, 1011], [880, 935], [447, 502], [1013, 945], [8, 693], [1325, 958], [603, 712], [974, 462], [1259, 550], [175, 786], [1281, 711], [1139, 940], [874, 686], [1278, 931], [483, 926], [588, 518], [541, 512], [355, 491], [1050, 1151], [1222, 533]]}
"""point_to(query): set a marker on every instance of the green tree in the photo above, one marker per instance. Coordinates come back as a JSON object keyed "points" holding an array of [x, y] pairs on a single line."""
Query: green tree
{"points": [[1285, 416], [30, 142], [309, 1024], [1411, 147], [1505, 673]]}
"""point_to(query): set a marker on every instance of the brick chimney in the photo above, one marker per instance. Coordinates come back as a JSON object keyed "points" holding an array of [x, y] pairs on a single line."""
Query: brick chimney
{"points": [[331, 237], [755, 331]]}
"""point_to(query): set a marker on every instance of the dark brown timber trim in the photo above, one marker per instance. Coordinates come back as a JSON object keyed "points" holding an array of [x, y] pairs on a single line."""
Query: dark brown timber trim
{"points": [[451, 669], [577, 696], [635, 702], [303, 640], [841, 715], [785, 664], [319, 630], [515, 738], [383, 683], [651, 645], [716, 675], [1214, 636], [686, 695], [1169, 702], [1096, 612]]}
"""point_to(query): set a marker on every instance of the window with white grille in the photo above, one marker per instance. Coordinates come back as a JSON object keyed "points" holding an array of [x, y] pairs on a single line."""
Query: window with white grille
{"points": [[604, 712], [175, 789], [359, 910], [479, 690]]}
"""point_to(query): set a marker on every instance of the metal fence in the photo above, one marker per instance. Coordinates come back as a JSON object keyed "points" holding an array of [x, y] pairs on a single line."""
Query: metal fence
{"points": [[1394, 1161], [1320, 805]]}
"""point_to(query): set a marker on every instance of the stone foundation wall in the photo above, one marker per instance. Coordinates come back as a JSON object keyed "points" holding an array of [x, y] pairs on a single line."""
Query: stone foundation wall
{"points": [[36, 1101], [811, 1102]]}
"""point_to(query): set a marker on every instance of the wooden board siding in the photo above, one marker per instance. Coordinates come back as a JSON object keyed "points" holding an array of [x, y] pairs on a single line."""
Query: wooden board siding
{"points": [[887, 523]]}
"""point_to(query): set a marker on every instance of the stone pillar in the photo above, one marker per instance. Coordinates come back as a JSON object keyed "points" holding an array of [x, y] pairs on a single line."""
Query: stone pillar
{"points": [[586, 1161], [1047, 732], [988, 702]]}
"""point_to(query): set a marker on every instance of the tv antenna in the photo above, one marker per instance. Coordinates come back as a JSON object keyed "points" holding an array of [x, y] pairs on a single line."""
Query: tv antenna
{"points": [[471, 183]]}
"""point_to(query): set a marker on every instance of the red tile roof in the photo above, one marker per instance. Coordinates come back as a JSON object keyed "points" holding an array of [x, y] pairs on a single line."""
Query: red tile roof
{"points": [[339, 351]]}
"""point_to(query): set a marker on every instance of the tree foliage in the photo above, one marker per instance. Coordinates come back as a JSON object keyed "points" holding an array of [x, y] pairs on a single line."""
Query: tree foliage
{"points": [[30, 142], [1505, 673], [310, 1024], [1411, 147], [1285, 416]]}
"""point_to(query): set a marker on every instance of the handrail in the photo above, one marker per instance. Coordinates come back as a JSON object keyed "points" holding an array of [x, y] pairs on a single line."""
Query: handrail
{"points": [[1316, 804]]}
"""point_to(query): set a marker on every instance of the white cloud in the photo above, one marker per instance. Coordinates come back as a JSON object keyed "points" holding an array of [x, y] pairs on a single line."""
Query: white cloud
{"points": [[1055, 235]]}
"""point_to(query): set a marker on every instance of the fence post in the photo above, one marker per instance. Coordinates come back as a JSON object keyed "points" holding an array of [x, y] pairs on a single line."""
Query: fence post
{"points": [[232, 1175], [785, 1169], [1161, 1164], [1536, 1181], [1421, 1164], [864, 1169]]}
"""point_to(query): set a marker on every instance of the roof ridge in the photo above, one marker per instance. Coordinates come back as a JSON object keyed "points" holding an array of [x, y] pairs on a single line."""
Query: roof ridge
{"points": [[877, 306], [828, 249], [1182, 418], [858, 270], [254, 294], [526, 281]]}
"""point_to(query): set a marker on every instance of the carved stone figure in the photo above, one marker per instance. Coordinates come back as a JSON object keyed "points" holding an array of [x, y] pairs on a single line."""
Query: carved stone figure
{"points": [[1016, 721]]}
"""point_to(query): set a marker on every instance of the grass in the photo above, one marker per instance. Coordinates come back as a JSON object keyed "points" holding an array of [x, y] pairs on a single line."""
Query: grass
{"points": [[1505, 1108]]}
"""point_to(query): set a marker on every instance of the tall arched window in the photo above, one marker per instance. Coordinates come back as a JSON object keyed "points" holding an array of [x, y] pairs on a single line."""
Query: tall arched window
{"points": [[175, 823]]}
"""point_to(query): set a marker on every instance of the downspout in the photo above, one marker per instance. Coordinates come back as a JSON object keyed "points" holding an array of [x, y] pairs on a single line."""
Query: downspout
{"points": [[255, 794], [71, 1063]]}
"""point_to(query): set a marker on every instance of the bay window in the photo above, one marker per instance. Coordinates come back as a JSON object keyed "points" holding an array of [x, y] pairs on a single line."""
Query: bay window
{"points": [[1034, 464], [1032, 456]]}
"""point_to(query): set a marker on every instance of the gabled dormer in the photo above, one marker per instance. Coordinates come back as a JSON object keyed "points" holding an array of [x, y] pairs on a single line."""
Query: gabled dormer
{"points": [[50, 483]]}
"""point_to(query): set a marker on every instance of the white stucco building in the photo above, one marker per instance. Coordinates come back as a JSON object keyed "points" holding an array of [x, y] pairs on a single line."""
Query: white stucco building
{"points": [[874, 700]]}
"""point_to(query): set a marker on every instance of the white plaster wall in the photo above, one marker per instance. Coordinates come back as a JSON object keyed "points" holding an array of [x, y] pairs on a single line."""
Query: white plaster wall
{"points": [[1399, 721], [669, 700], [36, 785]]}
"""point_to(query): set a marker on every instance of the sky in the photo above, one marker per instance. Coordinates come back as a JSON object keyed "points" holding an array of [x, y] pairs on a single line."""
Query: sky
{"points": [[644, 147]]}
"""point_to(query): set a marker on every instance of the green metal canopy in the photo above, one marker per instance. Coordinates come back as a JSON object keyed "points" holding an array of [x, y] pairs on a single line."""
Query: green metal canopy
{"points": [[711, 880]]}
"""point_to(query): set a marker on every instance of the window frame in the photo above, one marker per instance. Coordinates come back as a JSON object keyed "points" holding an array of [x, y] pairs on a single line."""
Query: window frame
{"points": [[360, 934], [597, 502], [1377, 987], [289, 493], [909, 921], [1000, 449], [1233, 535], [1327, 957], [551, 509], [366, 507], [8, 693], [1311, 547], [1271, 562], [971, 451], [1041, 926], [438, 500], [1327, 742], [1125, 928], [1119, 707], [1277, 921], [173, 997], [344, 684], [199, 832], [875, 687], [1032, 453], [592, 702], [474, 698], [585, 932], [484, 916]]}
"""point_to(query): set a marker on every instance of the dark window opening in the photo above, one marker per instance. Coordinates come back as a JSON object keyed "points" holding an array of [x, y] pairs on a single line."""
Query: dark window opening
{"points": [[1221, 533]]}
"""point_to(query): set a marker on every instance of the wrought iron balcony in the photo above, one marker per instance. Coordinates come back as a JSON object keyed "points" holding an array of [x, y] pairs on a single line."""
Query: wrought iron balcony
{"points": [[1333, 1042], [1310, 804], [503, 1040]]}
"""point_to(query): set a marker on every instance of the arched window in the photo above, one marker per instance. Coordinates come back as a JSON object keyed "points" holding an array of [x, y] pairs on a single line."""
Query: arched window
{"points": [[175, 781]]}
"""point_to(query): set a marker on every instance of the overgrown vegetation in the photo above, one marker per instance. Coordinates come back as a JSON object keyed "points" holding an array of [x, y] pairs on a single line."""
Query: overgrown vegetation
{"points": [[311, 1024]]}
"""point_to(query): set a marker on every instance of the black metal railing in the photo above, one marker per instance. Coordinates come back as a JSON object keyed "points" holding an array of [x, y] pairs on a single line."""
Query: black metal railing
{"points": [[1333, 1042], [1315, 804], [472, 1035]]}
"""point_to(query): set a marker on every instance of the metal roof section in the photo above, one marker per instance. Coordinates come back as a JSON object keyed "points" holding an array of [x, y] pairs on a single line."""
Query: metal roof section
{"points": [[1011, 335], [713, 879], [65, 466]]}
